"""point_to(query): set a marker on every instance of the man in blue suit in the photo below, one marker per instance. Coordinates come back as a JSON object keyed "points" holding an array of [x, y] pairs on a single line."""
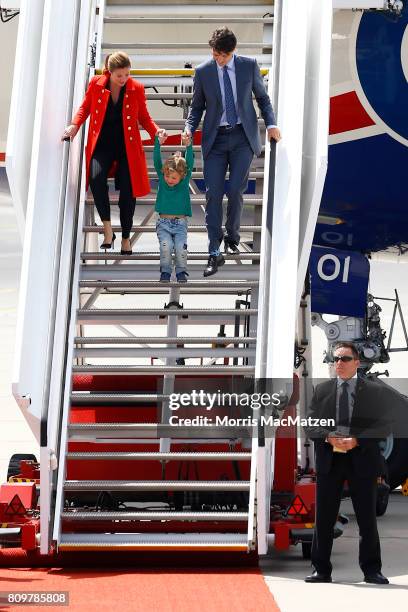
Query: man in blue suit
{"points": [[223, 88]]}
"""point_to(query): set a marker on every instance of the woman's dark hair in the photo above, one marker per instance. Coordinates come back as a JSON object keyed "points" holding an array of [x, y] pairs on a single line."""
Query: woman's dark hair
{"points": [[348, 345], [223, 40]]}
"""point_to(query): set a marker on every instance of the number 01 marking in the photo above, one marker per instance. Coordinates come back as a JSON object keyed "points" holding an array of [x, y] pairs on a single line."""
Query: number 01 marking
{"points": [[338, 264]]}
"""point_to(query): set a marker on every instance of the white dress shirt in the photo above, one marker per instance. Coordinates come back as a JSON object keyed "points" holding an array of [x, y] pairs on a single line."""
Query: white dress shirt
{"points": [[232, 76]]}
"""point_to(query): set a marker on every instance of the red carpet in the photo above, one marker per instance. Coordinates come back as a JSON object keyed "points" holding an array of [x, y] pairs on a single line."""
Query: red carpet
{"points": [[177, 590]]}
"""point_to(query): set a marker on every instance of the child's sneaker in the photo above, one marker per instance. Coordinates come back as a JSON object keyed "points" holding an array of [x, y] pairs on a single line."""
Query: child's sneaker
{"points": [[182, 277], [165, 277]]}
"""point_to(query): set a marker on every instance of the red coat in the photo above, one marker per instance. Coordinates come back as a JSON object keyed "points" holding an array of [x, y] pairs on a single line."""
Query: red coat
{"points": [[135, 111]]}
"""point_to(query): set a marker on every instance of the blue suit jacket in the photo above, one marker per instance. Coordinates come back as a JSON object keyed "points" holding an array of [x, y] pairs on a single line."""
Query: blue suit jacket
{"points": [[207, 97]]}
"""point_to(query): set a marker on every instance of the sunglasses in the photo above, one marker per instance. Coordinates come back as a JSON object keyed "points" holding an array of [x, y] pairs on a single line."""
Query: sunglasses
{"points": [[343, 358]]}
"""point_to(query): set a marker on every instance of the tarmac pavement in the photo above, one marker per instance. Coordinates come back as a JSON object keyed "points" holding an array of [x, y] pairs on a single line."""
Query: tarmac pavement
{"points": [[285, 572]]}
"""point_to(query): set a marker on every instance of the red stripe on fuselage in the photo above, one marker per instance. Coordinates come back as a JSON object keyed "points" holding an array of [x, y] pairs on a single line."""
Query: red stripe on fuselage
{"points": [[347, 113]]}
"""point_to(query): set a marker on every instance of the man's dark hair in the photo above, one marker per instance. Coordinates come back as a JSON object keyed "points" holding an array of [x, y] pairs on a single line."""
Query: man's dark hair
{"points": [[223, 40], [348, 345]]}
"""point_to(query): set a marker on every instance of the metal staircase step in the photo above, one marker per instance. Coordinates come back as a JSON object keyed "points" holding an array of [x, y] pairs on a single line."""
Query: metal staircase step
{"points": [[156, 59], [154, 516], [172, 148], [163, 289], [182, 20], [239, 285], [177, 80], [199, 174], [128, 8], [156, 485], [95, 431], [195, 200], [178, 124], [118, 399], [169, 148], [148, 256], [173, 456], [171, 96], [161, 353], [154, 541], [161, 81], [164, 340], [151, 229], [148, 271], [108, 46], [122, 316], [187, 370], [86, 398]]}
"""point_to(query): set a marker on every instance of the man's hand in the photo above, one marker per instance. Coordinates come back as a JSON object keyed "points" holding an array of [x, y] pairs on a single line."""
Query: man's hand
{"points": [[337, 442], [344, 444], [161, 135], [70, 132], [350, 443], [274, 133], [185, 139], [186, 134]]}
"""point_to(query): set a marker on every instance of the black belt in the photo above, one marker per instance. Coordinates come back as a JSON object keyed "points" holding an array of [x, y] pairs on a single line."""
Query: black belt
{"points": [[228, 128]]}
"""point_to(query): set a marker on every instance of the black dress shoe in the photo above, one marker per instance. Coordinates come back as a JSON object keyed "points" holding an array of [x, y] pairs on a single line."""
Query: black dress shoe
{"points": [[317, 577], [231, 248], [376, 578], [214, 261]]}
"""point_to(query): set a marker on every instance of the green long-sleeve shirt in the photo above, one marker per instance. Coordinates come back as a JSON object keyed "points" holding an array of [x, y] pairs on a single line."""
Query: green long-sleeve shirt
{"points": [[173, 200]]}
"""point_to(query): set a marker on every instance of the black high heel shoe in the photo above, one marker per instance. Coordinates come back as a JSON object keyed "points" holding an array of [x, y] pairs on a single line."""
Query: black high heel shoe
{"points": [[109, 245], [125, 252]]}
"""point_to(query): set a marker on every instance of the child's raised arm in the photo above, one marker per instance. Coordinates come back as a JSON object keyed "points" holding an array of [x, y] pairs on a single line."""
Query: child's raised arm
{"points": [[189, 158], [157, 160]]}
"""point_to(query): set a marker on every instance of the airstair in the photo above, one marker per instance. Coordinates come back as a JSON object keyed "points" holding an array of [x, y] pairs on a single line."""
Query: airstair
{"points": [[113, 343], [139, 341]]}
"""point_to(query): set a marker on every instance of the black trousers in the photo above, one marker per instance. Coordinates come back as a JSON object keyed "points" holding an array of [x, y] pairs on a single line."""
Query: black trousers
{"points": [[101, 163], [363, 493]]}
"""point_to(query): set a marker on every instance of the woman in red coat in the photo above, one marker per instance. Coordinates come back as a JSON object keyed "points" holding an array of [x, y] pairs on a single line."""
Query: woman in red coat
{"points": [[116, 105]]}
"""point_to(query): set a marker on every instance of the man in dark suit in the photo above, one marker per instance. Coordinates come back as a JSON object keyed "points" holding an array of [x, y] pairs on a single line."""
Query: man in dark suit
{"points": [[223, 88], [350, 453]]}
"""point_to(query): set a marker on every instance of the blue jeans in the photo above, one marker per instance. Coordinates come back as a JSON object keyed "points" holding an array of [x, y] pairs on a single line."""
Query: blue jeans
{"points": [[172, 235]]}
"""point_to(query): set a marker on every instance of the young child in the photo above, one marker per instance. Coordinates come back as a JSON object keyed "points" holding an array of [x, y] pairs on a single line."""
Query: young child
{"points": [[173, 206]]}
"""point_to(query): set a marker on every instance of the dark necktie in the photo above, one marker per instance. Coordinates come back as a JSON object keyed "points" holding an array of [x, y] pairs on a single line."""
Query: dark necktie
{"points": [[230, 110], [344, 414]]}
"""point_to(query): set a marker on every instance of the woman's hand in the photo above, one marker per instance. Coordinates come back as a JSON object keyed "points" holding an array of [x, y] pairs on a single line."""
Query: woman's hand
{"points": [[70, 132], [161, 135]]}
